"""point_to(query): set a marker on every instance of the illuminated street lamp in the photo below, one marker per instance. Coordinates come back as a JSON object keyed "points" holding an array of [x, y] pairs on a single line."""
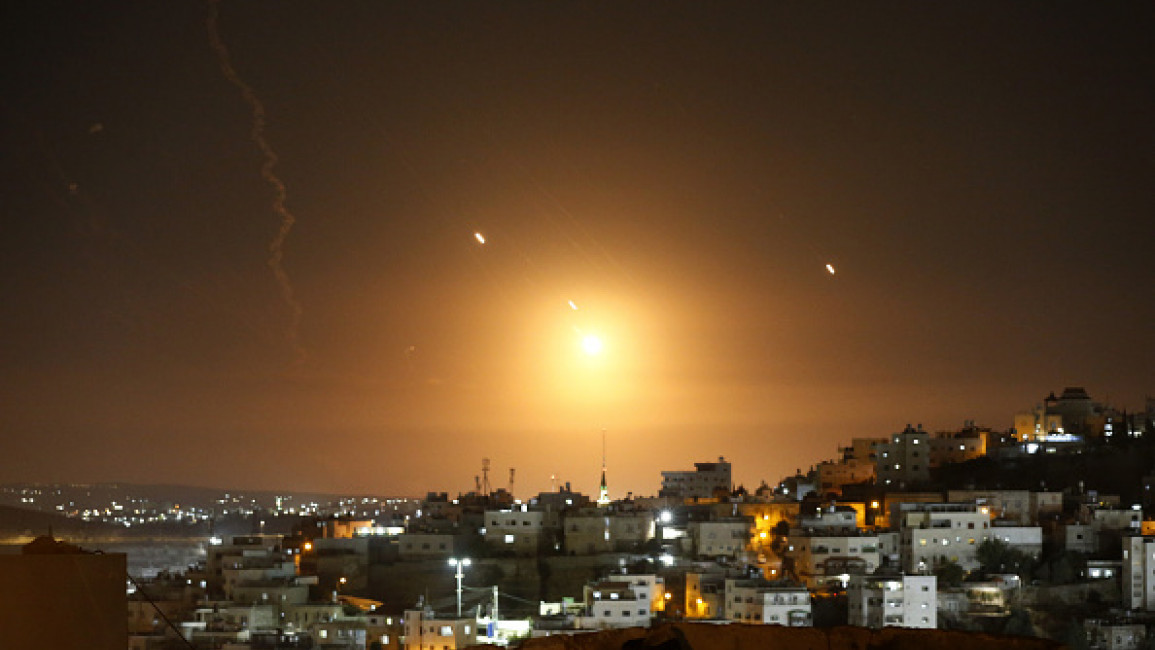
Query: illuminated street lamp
{"points": [[460, 564]]}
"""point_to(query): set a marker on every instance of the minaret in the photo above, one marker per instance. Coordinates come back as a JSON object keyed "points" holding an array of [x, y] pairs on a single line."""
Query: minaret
{"points": [[604, 492]]}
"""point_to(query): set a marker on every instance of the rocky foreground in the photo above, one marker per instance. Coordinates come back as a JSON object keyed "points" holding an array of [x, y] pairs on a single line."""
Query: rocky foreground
{"points": [[702, 636]]}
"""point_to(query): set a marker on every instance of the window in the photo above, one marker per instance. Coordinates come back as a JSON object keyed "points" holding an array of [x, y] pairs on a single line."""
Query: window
{"points": [[509, 539]]}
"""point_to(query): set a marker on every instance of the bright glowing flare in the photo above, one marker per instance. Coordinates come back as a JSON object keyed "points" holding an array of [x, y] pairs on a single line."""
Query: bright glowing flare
{"points": [[479, 237], [830, 267], [592, 344]]}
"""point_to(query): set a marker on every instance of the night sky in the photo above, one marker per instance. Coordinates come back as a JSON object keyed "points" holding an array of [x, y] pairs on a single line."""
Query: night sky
{"points": [[979, 175]]}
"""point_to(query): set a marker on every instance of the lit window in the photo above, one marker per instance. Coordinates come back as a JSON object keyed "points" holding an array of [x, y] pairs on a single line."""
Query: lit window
{"points": [[509, 539]]}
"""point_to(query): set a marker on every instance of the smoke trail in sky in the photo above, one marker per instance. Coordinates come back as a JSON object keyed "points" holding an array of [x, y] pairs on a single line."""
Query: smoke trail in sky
{"points": [[257, 133]]}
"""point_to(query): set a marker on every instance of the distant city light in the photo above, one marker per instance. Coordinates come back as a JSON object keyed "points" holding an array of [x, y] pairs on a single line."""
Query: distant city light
{"points": [[479, 237]]}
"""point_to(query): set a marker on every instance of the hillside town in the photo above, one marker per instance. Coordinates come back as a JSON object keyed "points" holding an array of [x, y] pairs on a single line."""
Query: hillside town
{"points": [[1042, 529]]}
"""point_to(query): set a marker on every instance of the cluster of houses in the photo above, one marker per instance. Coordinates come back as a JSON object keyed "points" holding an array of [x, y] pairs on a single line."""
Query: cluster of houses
{"points": [[863, 528]]}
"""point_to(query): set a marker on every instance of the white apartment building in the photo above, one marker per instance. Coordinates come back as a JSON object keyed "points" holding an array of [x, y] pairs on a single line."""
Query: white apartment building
{"points": [[933, 533], [647, 587], [705, 482], [904, 458], [828, 559], [616, 604], [425, 631], [899, 601], [1138, 580], [767, 603]]}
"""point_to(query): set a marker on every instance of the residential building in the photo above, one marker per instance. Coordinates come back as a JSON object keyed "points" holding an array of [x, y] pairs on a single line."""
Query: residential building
{"points": [[770, 603], [615, 604], [1138, 577], [904, 459], [833, 519], [705, 595], [1025, 539], [239, 551], [878, 601], [933, 533], [720, 538], [647, 587], [707, 481], [427, 546], [1012, 506], [832, 475], [820, 560], [967, 443], [1071, 416], [519, 531], [588, 531], [1078, 537], [424, 630]]}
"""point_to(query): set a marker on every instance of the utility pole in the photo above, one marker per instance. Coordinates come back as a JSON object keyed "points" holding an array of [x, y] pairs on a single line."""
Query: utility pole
{"points": [[460, 565]]}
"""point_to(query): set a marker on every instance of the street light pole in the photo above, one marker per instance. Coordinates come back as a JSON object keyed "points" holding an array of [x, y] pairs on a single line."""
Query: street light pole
{"points": [[460, 564]]}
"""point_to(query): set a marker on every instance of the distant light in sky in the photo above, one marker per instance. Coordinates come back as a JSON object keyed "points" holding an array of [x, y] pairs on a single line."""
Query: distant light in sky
{"points": [[592, 345], [830, 267], [572, 305], [479, 237]]}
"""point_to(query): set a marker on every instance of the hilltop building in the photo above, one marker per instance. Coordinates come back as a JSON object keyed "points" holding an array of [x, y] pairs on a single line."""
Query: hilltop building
{"points": [[904, 459], [707, 481]]}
